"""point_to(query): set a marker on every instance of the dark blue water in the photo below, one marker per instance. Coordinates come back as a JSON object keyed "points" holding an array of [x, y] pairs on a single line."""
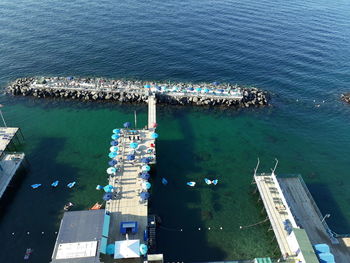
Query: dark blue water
{"points": [[297, 50]]}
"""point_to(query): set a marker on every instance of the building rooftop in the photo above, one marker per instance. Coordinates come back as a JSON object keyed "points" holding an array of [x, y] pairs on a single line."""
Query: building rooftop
{"points": [[79, 237]]}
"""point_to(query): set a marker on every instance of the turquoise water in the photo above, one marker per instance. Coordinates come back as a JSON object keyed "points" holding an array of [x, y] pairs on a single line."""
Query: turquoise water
{"points": [[299, 51]]}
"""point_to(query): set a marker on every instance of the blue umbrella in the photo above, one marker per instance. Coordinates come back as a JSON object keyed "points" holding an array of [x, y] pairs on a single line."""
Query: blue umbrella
{"points": [[113, 148], [110, 249], [112, 154], [127, 124], [111, 170], [146, 168], [145, 160], [191, 89], [130, 157], [108, 188], [116, 131], [158, 88], [134, 145], [145, 195], [206, 90], [115, 136], [198, 89], [145, 175], [154, 135], [112, 162], [143, 249], [147, 86], [114, 143], [146, 185], [107, 196], [70, 78], [220, 90], [215, 83]]}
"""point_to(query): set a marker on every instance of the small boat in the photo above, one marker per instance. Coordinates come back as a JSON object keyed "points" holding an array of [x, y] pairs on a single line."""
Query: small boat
{"points": [[96, 206], [99, 187], [29, 251], [35, 186], [71, 185], [207, 181], [68, 206], [164, 181], [215, 182], [54, 184], [191, 184]]}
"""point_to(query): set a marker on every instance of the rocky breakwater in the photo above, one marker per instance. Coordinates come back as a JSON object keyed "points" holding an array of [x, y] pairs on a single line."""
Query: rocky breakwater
{"points": [[137, 91], [346, 97]]}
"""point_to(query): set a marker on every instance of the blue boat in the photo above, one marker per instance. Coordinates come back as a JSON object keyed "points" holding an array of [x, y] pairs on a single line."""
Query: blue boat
{"points": [[192, 184], [215, 181], [207, 181], [164, 181], [54, 184], [34, 186], [71, 185]]}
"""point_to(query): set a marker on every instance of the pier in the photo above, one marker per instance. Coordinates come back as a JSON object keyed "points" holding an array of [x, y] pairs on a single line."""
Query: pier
{"points": [[123, 225], [296, 220], [201, 94], [10, 161]]}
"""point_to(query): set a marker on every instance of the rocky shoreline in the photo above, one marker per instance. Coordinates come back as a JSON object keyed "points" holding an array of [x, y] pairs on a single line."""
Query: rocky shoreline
{"points": [[94, 89], [346, 97]]}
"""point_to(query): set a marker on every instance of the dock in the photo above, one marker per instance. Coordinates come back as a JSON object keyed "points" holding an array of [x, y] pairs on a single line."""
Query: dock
{"points": [[295, 218], [10, 161], [309, 217], [277, 210]]}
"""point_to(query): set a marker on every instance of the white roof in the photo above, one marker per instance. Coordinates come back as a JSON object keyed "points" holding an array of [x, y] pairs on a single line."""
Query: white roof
{"points": [[77, 250], [127, 249]]}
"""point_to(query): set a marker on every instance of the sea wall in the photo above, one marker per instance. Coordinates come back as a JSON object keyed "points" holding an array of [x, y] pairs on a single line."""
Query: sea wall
{"points": [[213, 94]]}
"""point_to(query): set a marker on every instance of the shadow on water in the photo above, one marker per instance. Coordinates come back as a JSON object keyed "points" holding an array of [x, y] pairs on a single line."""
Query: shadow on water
{"points": [[178, 237], [33, 216], [323, 197]]}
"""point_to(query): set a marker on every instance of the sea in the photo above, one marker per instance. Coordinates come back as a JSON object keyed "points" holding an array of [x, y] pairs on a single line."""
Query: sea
{"points": [[298, 51]]}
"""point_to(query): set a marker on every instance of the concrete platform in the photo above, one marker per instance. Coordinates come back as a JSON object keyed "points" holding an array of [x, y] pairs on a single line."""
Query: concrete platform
{"points": [[309, 217]]}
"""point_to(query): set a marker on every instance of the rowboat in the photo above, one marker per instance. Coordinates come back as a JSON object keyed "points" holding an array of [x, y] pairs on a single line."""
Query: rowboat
{"points": [[96, 206]]}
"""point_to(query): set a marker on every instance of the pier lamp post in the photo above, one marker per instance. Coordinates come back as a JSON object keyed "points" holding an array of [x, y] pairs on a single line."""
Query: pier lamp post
{"points": [[2, 117], [325, 216]]}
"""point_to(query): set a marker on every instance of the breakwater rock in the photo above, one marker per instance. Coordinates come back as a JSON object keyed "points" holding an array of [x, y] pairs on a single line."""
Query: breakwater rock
{"points": [[213, 94], [346, 97]]}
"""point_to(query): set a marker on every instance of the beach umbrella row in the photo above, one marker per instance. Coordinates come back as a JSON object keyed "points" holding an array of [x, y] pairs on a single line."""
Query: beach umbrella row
{"points": [[108, 188], [111, 170], [115, 136], [130, 157], [114, 148], [146, 185], [116, 131], [146, 168]]}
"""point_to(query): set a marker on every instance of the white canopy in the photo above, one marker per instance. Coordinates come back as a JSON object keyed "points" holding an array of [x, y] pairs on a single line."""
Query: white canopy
{"points": [[127, 249]]}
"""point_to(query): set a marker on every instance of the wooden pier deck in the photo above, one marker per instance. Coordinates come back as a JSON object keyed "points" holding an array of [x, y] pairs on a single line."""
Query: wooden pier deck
{"points": [[126, 204], [309, 217], [276, 208]]}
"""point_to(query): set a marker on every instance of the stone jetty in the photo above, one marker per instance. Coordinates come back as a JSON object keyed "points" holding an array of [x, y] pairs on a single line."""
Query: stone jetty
{"points": [[346, 97], [133, 91]]}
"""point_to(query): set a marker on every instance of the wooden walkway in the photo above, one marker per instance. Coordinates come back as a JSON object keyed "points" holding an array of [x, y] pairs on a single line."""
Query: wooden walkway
{"points": [[276, 209], [126, 204], [309, 217]]}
